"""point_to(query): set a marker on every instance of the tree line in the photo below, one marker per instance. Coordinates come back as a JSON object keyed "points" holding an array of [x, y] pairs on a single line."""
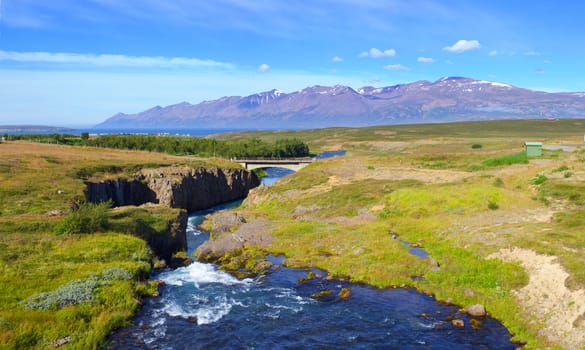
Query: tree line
{"points": [[180, 145]]}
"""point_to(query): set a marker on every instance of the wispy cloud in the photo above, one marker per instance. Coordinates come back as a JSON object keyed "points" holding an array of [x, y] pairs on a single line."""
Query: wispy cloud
{"points": [[396, 67], [463, 45], [539, 71], [110, 60], [337, 59], [425, 60], [263, 68], [493, 53], [377, 53], [532, 53]]}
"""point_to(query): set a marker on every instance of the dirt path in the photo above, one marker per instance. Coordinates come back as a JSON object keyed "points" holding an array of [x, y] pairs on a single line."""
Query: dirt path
{"points": [[546, 300]]}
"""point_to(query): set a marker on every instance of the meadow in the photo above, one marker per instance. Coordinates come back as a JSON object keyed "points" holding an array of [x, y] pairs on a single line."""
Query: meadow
{"points": [[463, 192]]}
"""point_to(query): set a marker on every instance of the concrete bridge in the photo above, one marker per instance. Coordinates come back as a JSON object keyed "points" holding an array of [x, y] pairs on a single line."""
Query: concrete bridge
{"points": [[294, 164]]}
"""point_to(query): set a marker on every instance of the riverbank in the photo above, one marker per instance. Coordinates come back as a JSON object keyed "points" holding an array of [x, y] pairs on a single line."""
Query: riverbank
{"points": [[460, 199]]}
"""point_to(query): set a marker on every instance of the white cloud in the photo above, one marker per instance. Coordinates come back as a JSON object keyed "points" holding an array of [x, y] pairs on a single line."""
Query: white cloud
{"points": [[377, 53], [539, 71], [263, 68], [532, 53], [547, 62], [109, 60], [463, 45], [425, 60], [493, 53], [337, 59], [396, 67]]}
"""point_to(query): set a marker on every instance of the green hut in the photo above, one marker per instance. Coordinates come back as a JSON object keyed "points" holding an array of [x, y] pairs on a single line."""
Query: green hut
{"points": [[533, 149]]}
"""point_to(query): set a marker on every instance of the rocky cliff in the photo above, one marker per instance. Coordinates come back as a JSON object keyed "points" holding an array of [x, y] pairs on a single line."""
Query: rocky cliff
{"points": [[176, 187]]}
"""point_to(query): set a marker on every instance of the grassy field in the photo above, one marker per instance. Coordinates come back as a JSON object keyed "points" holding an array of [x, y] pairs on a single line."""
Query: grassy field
{"points": [[462, 191], [81, 285]]}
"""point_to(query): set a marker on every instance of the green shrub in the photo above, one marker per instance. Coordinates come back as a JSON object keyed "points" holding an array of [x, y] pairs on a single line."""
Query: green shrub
{"points": [[476, 146], [568, 174], [80, 291], [74, 292], [88, 218], [561, 168], [539, 179], [493, 205]]}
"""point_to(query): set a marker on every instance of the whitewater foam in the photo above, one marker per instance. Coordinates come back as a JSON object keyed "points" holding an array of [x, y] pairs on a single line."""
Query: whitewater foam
{"points": [[200, 274]]}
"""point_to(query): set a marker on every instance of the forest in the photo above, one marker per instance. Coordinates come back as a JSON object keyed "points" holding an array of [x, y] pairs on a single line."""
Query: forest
{"points": [[179, 145]]}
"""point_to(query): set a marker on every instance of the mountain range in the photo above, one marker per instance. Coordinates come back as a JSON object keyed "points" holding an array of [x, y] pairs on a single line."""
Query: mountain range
{"points": [[445, 100]]}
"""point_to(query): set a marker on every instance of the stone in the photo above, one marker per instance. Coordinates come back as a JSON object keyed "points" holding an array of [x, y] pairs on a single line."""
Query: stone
{"points": [[476, 310], [458, 323], [322, 294], [345, 294], [62, 341], [475, 323], [468, 292], [263, 265]]}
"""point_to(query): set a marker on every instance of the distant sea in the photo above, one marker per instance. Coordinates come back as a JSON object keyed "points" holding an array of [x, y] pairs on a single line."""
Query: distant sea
{"points": [[137, 131]]}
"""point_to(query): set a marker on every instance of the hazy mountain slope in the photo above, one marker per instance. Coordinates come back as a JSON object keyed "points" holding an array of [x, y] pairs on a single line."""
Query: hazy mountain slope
{"points": [[447, 99]]}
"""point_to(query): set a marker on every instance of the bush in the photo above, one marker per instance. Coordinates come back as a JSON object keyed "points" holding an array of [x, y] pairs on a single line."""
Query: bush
{"points": [[88, 218], [539, 179], [561, 168], [80, 291], [75, 292], [493, 205], [476, 146]]}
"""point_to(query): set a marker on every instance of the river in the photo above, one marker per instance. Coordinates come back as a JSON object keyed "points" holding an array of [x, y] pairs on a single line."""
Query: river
{"points": [[201, 307]]}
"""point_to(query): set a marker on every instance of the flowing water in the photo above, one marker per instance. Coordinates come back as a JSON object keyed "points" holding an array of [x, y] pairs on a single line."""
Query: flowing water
{"points": [[201, 307]]}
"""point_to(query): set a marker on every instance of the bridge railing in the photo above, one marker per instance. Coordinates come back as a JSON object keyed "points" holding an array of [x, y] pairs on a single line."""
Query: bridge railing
{"points": [[268, 159]]}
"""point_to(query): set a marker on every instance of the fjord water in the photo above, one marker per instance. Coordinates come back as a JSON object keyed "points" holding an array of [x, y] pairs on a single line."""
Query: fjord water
{"points": [[201, 307]]}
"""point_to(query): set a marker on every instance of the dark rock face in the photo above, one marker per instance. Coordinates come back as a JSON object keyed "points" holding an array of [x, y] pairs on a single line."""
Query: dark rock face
{"points": [[201, 188], [120, 191], [177, 187], [174, 240]]}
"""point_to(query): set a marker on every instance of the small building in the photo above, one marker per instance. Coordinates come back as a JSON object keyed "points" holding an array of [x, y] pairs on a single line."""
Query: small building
{"points": [[533, 149]]}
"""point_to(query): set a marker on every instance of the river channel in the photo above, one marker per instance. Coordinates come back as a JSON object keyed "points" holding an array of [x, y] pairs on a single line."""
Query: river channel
{"points": [[201, 307]]}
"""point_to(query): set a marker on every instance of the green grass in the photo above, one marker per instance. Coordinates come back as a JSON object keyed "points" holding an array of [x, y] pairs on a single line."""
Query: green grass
{"points": [[516, 158]]}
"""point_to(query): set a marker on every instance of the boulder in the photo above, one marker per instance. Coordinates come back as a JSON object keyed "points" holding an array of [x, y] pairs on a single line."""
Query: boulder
{"points": [[458, 323], [476, 310], [345, 294]]}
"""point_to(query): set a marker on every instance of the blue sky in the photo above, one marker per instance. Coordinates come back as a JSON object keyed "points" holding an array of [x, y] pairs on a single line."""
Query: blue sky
{"points": [[78, 62]]}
